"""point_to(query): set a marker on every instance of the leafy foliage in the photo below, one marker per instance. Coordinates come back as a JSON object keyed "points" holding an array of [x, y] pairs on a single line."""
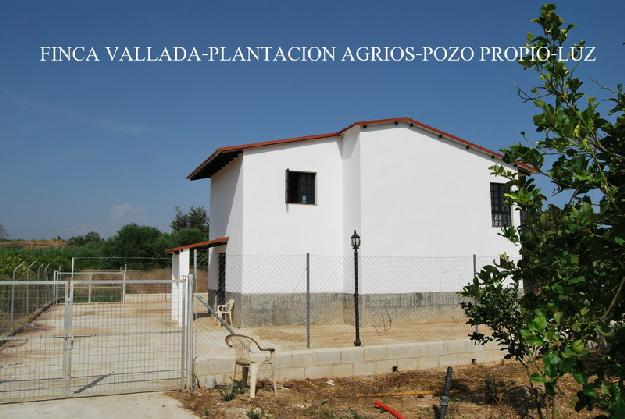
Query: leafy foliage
{"points": [[196, 218], [91, 237], [131, 241], [564, 312]]}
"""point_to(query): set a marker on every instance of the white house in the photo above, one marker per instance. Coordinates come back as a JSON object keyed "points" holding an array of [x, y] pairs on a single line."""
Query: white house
{"points": [[414, 193]]}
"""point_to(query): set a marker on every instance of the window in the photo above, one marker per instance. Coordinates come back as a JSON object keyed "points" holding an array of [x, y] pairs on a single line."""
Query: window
{"points": [[501, 213], [300, 187]]}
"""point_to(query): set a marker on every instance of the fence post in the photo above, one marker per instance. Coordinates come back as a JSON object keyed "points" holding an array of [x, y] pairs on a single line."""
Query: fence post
{"points": [[195, 270], [12, 304], [189, 333], [477, 327], [13, 293], [124, 284], [56, 286], [69, 341], [90, 279], [27, 287], [308, 300], [48, 288]]}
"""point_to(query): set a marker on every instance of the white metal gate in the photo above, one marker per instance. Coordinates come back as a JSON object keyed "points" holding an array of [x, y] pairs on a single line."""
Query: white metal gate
{"points": [[81, 338]]}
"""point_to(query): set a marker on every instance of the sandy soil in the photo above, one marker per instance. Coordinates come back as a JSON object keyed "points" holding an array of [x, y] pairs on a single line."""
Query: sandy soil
{"points": [[354, 397]]}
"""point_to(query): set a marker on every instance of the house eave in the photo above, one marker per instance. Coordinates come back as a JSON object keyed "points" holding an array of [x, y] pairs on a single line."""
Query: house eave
{"points": [[224, 155]]}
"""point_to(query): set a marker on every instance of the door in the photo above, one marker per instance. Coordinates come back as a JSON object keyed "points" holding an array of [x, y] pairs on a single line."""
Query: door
{"points": [[221, 278]]}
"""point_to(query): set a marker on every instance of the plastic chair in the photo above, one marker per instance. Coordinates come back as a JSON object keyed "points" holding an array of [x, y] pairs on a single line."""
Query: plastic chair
{"points": [[243, 353], [225, 309]]}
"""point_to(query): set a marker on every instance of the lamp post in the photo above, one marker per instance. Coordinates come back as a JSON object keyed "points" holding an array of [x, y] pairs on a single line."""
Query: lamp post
{"points": [[356, 244]]}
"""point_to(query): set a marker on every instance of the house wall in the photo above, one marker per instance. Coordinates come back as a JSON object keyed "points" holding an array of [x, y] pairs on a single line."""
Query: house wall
{"points": [[352, 201], [420, 203], [426, 197], [277, 234], [226, 219]]}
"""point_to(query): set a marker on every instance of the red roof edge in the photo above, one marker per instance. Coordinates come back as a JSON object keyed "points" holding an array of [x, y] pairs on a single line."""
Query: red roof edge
{"points": [[236, 149], [211, 243]]}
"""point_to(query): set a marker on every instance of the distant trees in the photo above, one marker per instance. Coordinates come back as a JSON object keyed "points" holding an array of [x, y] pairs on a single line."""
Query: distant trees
{"points": [[4, 234], [137, 241], [91, 237], [131, 241], [190, 226], [196, 218]]}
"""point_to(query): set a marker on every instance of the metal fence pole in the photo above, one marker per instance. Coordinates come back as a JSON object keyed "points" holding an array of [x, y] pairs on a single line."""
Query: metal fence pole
{"points": [[124, 284], [195, 270], [308, 300], [56, 286], [27, 279], [37, 294], [189, 333], [13, 294], [477, 327], [46, 278], [12, 304], [89, 292], [68, 342]]}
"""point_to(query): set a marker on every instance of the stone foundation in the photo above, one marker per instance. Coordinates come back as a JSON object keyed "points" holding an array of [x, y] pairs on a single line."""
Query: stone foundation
{"points": [[253, 310]]}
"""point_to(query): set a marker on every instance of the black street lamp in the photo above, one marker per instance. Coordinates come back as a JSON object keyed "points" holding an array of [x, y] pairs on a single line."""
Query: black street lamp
{"points": [[356, 245]]}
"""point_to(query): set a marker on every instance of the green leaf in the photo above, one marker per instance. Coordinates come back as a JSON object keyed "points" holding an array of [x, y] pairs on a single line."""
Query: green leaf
{"points": [[540, 322], [557, 316], [579, 377], [537, 378], [589, 391]]}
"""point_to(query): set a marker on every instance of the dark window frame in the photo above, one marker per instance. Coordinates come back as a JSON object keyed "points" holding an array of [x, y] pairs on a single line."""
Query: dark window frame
{"points": [[300, 187], [501, 214]]}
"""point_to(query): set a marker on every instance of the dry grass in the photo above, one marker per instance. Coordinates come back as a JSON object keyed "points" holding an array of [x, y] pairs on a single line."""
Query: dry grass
{"points": [[33, 244], [354, 397], [152, 274]]}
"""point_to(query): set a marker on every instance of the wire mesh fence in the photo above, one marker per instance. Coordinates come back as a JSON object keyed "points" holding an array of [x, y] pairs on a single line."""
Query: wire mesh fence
{"points": [[307, 301], [84, 337], [31, 353]]}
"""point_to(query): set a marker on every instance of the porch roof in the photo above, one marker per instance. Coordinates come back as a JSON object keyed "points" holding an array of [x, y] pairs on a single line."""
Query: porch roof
{"points": [[219, 241]]}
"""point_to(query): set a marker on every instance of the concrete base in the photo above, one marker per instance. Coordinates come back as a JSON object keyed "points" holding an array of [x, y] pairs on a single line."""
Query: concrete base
{"points": [[253, 310], [368, 360]]}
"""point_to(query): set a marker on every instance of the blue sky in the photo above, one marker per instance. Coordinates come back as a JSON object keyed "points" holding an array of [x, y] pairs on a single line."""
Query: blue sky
{"points": [[92, 146]]}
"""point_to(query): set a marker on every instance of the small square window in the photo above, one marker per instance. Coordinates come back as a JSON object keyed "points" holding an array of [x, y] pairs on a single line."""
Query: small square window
{"points": [[500, 212], [300, 187]]}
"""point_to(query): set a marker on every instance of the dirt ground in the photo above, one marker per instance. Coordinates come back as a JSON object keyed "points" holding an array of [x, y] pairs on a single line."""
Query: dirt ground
{"points": [[354, 397], [342, 335]]}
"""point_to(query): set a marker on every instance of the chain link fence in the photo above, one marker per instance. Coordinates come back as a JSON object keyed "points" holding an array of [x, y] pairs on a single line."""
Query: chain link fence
{"points": [[307, 301]]}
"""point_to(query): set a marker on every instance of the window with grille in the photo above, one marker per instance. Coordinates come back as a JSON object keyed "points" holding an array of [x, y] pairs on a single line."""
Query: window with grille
{"points": [[300, 187], [500, 212]]}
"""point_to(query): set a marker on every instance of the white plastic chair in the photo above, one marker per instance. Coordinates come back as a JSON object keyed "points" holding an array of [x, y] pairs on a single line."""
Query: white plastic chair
{"points": [[225, 309], [244, 357]]}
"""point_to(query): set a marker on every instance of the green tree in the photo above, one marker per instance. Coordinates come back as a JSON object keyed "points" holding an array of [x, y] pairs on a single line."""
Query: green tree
{"points": [[195, 218], [91, 237], [570, 318], [187, 236], [134, 240]]}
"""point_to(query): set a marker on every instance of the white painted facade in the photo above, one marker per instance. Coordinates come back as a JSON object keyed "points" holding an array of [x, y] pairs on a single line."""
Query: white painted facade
{"points": [[406, 191]]}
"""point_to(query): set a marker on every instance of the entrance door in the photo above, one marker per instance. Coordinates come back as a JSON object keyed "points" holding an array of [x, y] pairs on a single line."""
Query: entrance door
{"points": [[221, 280]]}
